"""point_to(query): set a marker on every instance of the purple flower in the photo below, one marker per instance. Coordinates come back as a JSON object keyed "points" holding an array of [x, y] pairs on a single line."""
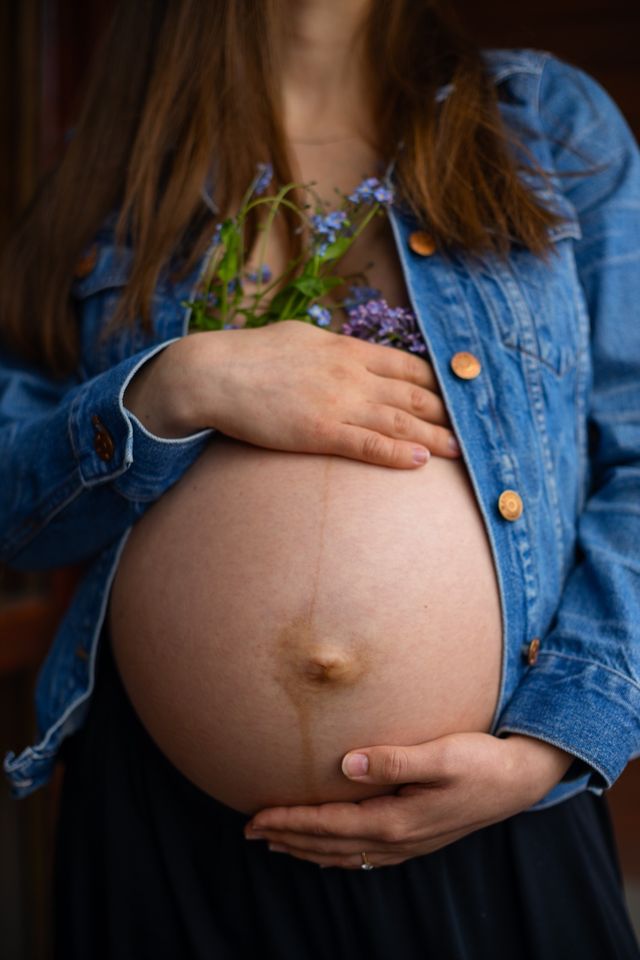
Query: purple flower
{"points": [[321, 315], [371, 190], [259, 276], [263, 179], [377, 322]]}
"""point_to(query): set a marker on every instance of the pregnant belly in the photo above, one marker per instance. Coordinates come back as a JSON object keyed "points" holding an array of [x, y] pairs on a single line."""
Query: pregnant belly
{"points": [[273, 610]]}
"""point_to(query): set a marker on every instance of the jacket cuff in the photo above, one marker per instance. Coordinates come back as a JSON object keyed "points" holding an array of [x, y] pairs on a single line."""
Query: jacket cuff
{"points": [[111, 444], [579, 706]]}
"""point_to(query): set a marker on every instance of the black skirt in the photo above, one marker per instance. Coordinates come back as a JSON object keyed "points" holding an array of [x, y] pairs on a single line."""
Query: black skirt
{"points": [[149, 866]]}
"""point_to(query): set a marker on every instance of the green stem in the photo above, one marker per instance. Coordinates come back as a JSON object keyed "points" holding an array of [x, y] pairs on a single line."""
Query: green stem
{"points": [[223, 302]]}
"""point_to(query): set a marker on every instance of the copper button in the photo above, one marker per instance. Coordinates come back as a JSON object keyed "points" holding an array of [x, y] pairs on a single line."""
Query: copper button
{"points": [[85, 264], [422, 243], [510, 505], [102, 441], [531, 652], [81, 653], [465, 365]]}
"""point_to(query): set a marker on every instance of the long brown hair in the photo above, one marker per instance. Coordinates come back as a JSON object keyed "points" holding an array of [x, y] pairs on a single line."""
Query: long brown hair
{"points": [[174, 92]]}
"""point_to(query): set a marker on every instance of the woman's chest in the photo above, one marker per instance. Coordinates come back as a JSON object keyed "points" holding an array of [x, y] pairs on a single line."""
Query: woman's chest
{"points": [[330, 173]]}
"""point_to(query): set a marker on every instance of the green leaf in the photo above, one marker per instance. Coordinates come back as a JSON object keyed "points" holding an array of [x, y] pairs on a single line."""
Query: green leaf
{"points": [[331, 282], [309, 286], [228, 266], [337, 249], [280, 301], [255, 320]]}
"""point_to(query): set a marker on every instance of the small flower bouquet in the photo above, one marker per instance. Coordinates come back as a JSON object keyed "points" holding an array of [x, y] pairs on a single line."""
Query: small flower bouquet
{"points": [[300, 292]]}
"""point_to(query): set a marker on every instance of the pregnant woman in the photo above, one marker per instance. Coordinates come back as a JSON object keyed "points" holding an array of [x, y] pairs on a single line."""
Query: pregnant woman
{"points": [[339, 605]]}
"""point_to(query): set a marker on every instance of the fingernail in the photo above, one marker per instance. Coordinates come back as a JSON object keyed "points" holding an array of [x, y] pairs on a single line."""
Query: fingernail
{"points": [[276, 848], [355, 764], [420, 455], [454, 446]]}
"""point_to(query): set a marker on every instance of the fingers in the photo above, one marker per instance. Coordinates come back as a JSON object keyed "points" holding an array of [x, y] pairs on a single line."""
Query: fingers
{"points": [[417, 401], [425, 764], [343, 861], [313, 845], [358, 443], [398, 424], [349, 855], [406, 402], [377, 819], [396, 364]]}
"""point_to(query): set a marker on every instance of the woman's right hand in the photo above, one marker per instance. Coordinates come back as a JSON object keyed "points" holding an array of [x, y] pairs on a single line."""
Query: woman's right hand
{"points": [[292, 386]]}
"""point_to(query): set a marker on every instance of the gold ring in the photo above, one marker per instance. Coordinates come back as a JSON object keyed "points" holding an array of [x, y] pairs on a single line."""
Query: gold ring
{"points": [[365, 865]]}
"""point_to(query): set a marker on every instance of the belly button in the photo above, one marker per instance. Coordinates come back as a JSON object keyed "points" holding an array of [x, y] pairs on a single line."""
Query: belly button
{"points": [[330, 665]]}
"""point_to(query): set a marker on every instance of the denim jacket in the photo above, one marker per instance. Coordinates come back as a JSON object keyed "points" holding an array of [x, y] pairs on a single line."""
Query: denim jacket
{"points": [[553, 415]]}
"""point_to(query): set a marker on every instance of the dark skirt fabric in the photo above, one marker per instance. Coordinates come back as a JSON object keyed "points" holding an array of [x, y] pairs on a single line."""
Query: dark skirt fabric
{"points": [[149, 866]]}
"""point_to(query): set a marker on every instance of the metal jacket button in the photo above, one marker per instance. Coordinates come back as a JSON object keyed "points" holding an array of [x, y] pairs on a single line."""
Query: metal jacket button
{"points": [[510, 505], [465, 365], [422, 243], [102, 440], [85, 264], [530, 651]]}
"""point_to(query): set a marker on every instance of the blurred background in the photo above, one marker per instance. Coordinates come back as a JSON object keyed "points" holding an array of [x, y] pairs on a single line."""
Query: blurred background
{"points": [[45, 49]]}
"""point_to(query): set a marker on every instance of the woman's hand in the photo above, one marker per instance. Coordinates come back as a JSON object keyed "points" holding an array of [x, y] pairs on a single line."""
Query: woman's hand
{"points": [[452, 786], [291, 386]]}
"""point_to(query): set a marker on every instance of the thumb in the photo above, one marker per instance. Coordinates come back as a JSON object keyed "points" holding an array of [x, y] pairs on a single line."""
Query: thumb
{"points": [[391, 764]]}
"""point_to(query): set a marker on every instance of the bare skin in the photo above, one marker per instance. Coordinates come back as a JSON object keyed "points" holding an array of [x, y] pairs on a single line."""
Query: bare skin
{"points": [[332, 395]]}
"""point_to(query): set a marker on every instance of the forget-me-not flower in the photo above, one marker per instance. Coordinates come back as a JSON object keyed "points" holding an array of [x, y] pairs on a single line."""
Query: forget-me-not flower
{"points": [[321, 315]]}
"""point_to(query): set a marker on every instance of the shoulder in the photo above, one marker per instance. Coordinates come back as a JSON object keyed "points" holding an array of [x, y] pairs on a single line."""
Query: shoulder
{"points": [[558, 96]]}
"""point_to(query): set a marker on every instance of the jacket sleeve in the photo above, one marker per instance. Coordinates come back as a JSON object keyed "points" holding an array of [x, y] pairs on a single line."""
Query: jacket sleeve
{"points": [[62, 498], [585, 687]]}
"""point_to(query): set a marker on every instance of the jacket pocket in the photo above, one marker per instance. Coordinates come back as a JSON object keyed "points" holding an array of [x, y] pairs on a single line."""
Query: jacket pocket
{"points": [[541, 313], [96, 296]]}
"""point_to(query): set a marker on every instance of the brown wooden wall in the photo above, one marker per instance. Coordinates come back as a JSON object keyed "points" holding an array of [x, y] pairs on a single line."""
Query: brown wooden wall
{"points": [[601, 36]]}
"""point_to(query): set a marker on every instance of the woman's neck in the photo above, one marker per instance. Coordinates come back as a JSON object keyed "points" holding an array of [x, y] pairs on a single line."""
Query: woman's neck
{"points": [[323, 84]]}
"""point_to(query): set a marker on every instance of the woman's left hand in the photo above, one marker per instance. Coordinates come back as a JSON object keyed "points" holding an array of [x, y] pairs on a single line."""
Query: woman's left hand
{"points": [[449, 787]]}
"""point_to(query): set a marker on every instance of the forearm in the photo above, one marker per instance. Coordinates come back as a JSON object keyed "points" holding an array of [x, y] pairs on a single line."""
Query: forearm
{"points": [[78, 468]]}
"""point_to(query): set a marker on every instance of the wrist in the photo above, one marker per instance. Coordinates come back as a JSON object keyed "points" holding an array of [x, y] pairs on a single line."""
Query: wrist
{"points": [[160, 393], [537, 765]]}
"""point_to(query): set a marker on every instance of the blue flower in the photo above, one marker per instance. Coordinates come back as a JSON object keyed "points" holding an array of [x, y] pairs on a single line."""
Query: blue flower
{"points": [[264, 177], [360, 294], [326, 227], [321, 315], [259, 276], [335, 219], [329, 224], [371, 190]]}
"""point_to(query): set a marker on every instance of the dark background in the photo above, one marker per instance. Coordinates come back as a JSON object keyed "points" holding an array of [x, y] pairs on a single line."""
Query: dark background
{"points": [[45, 48]]}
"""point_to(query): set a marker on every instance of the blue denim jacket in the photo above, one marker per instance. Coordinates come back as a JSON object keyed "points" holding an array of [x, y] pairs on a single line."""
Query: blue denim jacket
{"points": [[554, 415]]}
